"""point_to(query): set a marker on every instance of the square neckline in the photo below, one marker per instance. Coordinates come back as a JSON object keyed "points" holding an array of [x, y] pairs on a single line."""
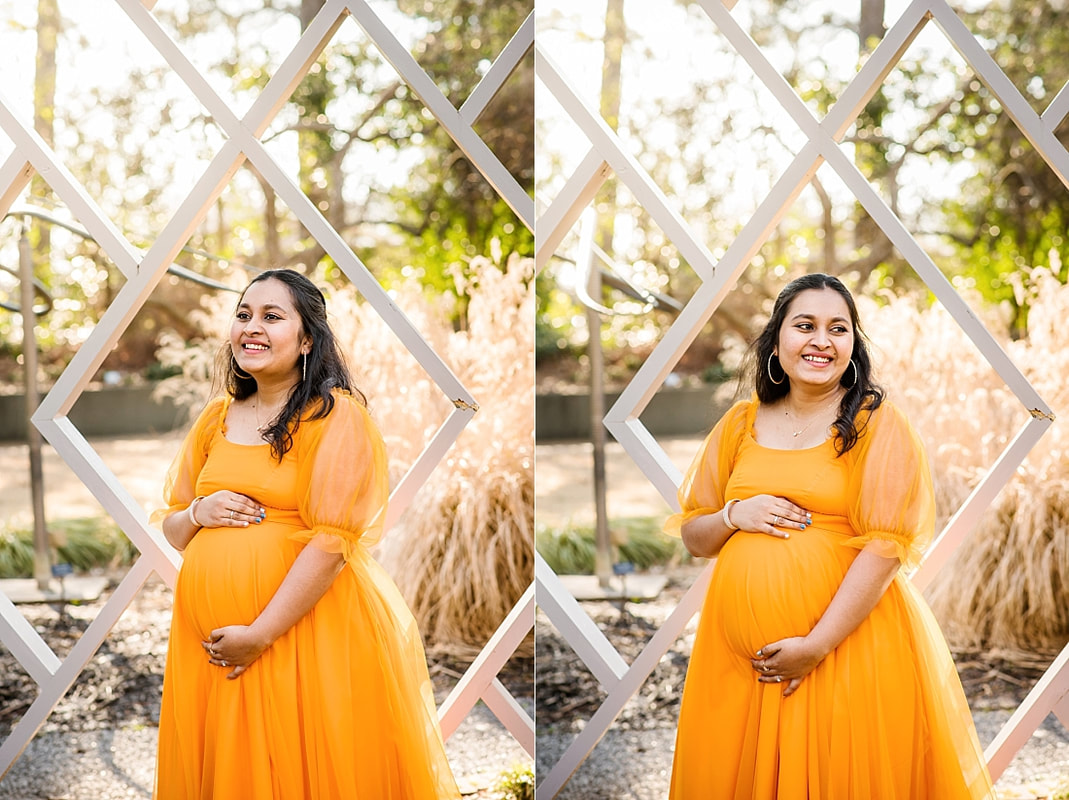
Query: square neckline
{"points": [[222, 426], [751, 419]]}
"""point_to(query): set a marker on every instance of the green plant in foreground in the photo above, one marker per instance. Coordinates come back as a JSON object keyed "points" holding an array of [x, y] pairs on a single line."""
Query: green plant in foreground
{"points": [[570, 549], [88, 542], [516, 784]]}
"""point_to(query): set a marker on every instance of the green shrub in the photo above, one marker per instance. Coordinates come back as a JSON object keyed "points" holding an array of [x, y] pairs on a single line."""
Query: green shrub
{"points": [[570, 550], [89, 542]]}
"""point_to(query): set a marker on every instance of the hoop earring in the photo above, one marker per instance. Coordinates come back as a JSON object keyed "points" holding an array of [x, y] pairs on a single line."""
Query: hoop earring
{"points": [[304, 367], [781, 380], [237, 371], [852, 385]]}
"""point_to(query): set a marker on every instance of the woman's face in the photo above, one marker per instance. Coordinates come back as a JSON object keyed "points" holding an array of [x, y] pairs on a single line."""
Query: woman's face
{"points": [[267, 336], [816, 339]]}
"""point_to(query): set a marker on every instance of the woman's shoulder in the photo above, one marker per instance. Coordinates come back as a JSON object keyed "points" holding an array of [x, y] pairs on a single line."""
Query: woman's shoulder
{"points": [[887, 425], [742, 408], [742, 412], [736, 420], [345, 409], [212, 413], [887, 415]]}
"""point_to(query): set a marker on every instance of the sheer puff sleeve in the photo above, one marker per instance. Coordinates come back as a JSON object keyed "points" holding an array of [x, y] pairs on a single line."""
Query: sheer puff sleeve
{"points": [[892, 498], [342, 479], [180, 486], [702, 489]]}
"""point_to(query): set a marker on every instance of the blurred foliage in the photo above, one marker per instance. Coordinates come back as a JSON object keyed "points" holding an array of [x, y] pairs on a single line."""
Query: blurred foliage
{"points": [[516, 784], [937, 147], [569, 549], [366, 152], [1013, 213], [83, 542]]}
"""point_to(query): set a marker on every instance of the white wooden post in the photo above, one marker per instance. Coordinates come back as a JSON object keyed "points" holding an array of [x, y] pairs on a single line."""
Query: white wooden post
{"points": [[143, 271], [606, 153]]}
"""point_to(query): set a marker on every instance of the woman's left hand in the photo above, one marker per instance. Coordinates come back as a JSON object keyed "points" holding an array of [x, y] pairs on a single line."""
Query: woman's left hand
{"points": [[233, 646], [787, 660]]}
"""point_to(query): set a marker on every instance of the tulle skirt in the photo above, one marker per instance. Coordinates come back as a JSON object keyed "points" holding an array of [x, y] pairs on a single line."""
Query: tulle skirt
{"points": [[338, 707], [882, 716]]}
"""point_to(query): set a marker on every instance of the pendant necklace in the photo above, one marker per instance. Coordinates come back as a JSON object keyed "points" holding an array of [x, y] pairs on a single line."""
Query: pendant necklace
{"points": [[265, 426], [814, 418]]}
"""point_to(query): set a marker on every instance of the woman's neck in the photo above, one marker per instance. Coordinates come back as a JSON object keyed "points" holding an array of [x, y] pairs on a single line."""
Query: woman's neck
{"points": [[273, 394], [802, 401]]}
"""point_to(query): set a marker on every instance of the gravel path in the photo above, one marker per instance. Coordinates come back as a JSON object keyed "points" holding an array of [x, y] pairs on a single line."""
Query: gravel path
{"points": [[637, 764], [118, 764]]}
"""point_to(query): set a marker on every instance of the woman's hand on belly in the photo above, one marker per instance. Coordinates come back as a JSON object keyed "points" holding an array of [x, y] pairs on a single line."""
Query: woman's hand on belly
{"points": [[788, 660], [769, 514], [225, 509], [234, 646]]}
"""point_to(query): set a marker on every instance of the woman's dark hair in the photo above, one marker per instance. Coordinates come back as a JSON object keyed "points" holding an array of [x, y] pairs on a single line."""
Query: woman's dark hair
{"points": [[326, 368], [861, 393]]}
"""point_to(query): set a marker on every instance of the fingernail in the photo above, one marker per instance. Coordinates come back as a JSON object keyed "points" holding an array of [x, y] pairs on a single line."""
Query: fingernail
{"points": [[244, 524], [786, 536]]}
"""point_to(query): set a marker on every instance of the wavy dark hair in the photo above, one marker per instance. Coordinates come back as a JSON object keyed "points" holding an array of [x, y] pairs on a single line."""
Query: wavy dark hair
{"points": [[862, 394], [326, 367]]}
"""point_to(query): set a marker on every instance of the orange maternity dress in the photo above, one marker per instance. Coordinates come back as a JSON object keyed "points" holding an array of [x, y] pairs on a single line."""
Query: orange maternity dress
{"points": [[883, 716], [339, 707]]}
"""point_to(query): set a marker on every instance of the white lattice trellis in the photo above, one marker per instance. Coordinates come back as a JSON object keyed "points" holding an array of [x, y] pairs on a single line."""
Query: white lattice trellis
{"points": [[608, 156], [143, 271]]}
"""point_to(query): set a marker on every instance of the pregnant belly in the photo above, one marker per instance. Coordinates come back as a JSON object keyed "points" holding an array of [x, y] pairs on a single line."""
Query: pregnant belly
{"points": [[228, 575], [765, 588]]}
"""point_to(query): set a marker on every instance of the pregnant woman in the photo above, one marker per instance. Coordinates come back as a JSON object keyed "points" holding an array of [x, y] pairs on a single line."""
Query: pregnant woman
{"points": [[294, 669], [818, 671]]}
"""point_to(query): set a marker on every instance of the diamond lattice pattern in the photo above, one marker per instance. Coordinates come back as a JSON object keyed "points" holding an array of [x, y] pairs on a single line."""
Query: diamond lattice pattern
{"points": [[607, 156], [144, 270]]}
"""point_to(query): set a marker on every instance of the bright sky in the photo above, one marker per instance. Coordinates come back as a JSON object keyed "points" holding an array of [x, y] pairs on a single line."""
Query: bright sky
{"points": [[110, 47], [672, 47]]}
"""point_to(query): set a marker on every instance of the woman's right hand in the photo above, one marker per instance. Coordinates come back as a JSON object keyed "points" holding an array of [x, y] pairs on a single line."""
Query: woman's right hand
{"points": [[225, 509], [766, 513]]}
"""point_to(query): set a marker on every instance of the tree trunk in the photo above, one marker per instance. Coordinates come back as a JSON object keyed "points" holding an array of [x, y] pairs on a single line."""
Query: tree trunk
{"points": [[871, 158], [309, 8], [870, 29], [615, 34], [44, 112]]}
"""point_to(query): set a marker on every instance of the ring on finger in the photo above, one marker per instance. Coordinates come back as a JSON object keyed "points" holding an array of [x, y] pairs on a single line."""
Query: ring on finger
{"points": [[765, 668], [231, 513], [777, 520]]}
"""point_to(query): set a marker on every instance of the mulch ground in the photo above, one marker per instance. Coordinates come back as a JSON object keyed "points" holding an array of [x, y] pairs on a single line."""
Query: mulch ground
{"points": [[567, 693], [121, 685]]}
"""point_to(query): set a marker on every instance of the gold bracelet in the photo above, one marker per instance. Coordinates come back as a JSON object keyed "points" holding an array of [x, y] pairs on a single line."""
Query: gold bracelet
{"points": [[724, 514], [189, 511]]}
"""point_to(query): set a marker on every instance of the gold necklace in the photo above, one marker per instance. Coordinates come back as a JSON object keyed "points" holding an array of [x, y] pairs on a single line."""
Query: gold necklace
{"points": [[812, 419], [265, 426]]}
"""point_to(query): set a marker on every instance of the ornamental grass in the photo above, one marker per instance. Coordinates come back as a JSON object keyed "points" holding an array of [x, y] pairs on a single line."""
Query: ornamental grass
{"points": [[463, 551], [1007, 585]]}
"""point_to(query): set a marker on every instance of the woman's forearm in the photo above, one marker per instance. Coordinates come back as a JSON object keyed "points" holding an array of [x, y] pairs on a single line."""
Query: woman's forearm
{"points": [[309, 578], [704, 536], [179, 530], [864, 584]]}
